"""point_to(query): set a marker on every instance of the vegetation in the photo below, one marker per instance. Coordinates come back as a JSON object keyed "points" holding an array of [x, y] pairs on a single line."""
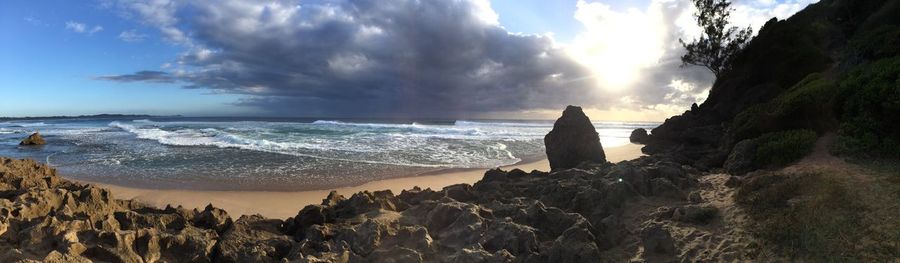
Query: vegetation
{"points": [[785, 147], [810, 104], [718, 43], [809, 216], [871, 117]]}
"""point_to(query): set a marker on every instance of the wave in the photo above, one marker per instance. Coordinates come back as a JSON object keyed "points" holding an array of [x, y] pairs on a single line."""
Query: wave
{"points": [[217, 138], [503, 124], [28, 124]]}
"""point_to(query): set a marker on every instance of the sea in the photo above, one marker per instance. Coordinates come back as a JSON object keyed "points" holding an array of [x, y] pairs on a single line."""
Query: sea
{"points": [[278, 154]]}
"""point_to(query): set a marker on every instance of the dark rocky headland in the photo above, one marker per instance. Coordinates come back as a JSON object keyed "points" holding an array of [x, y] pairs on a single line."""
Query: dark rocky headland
{"points": [[793, 157]]}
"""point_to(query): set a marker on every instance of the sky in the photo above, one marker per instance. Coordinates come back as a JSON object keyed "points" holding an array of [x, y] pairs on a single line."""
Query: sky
{"points": [[520, 59]]}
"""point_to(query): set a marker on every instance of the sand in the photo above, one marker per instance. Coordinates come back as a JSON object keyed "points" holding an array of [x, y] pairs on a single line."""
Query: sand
{"points": [[287, 204]]}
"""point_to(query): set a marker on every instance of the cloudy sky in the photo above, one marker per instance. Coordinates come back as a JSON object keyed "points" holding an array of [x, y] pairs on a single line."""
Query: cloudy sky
{"points": [[355, 58]]}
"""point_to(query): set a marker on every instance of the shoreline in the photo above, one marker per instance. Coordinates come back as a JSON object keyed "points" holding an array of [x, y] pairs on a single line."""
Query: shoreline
{"points": [[283, 204]]}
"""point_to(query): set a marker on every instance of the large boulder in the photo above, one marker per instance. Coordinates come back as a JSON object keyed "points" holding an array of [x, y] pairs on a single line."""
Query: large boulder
{"points": [[639, 135], [573, 140], [33, 139], [740, 161]]}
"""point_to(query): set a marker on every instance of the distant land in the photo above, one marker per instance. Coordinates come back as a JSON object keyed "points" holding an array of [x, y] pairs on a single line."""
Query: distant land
{"points": [[95, 116]]}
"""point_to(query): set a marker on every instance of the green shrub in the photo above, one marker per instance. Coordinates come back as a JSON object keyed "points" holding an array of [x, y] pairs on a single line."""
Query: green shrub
{"points": [[871, 118], [809, 104], [809, 216], [881, 42], [785, 147]]}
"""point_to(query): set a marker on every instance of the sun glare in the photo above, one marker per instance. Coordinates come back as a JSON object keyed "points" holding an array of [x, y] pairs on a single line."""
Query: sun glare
{"points": [[617, 45]]}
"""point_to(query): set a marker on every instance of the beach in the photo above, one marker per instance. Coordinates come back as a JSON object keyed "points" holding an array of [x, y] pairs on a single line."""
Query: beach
{"points": [[282, 204]]}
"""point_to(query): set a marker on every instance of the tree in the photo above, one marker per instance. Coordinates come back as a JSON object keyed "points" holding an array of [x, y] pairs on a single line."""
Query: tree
{"points": [[718, 43]]}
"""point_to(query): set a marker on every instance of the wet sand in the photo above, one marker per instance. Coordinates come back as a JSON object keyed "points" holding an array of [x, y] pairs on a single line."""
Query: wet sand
{"points": [[286, 204]]}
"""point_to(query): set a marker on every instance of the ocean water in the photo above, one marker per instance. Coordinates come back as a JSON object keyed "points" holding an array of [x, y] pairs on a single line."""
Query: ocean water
{"points": [[278, 154]]}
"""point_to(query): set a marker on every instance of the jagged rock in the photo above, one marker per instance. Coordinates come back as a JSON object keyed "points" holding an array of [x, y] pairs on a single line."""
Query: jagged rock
{"points": [[397, 255], [656, 239], [254, 239], [695, 197], [575, 245], [665, 188], [509, 236], [213, 218], [740, 160], [308, 216], [460, 192], [733, 181], [569, 215], [639, 135], [701, 214], [33, 139], [573, 140]]}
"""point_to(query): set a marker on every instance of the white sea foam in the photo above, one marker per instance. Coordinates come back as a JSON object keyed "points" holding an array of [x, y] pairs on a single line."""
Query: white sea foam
{"points": [[29, 124]]}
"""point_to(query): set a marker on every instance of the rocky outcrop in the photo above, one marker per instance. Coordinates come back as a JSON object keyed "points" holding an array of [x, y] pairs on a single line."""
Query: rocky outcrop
{"points": [[740, 160], [569, 215], [573, 141], [639, 135], [33, 139]]}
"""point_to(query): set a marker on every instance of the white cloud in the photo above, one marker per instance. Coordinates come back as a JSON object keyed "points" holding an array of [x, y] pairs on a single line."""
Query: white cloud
{"points": [[636, 53], [83, 28], [131, 36], [158, 13]]}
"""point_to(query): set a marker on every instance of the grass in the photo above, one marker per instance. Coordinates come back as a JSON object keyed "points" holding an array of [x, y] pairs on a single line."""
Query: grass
{"points": [[804, 216], [785, 147]]}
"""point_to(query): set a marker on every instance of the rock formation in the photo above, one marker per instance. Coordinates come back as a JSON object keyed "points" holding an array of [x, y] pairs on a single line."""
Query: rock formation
{"points": [[573, 141], [584, 214], [33, 139], [639, 135]]}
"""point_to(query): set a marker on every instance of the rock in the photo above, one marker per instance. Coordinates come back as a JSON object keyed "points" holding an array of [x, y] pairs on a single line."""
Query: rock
{"points": [[514, 238], [639, 135], [665, 188], [254, 239], [733, 181], [575, 245], [656, 239], [573, 140], [700, 214], [213, 218], [695, 197], [460, 192], [33, 139], [740, 160], [308, 216]]}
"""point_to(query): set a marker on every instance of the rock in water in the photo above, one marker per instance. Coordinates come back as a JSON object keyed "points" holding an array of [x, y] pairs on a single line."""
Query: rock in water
{"points": [[639, 135], [573, 140], [33, 139]]}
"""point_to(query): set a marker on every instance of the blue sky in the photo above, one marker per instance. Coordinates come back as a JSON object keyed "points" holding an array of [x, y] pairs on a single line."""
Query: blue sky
{"points": [[54, 56]]}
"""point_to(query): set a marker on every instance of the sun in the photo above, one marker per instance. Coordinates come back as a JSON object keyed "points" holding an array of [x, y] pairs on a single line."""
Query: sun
{"points": [[616, 46]]}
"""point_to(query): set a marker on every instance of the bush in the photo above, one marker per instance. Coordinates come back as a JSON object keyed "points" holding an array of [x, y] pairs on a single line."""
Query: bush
{"points": [[810, 216], [807, 105], [871, 118], [782, 148], [881, 42]]}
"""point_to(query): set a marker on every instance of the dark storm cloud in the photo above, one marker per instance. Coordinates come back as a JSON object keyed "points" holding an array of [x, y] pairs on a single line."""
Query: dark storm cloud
{"points": [[373, 57], [145, 75]]}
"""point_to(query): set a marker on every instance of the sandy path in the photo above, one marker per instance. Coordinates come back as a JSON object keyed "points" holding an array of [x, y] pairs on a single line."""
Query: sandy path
{"points": [[286, 204]]}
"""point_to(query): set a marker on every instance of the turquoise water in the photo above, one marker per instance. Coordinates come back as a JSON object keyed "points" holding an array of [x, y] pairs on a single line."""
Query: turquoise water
{"points": [[278, 154]]}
